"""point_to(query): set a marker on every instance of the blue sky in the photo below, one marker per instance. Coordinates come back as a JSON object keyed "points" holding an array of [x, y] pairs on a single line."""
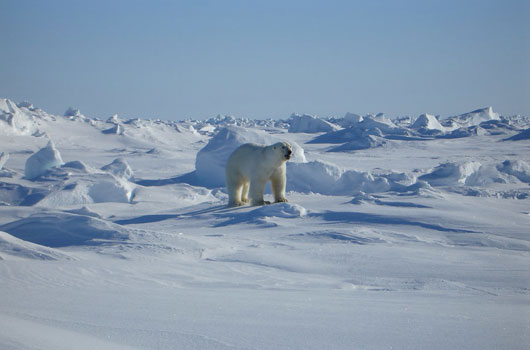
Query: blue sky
{"points": [[261, 59]]}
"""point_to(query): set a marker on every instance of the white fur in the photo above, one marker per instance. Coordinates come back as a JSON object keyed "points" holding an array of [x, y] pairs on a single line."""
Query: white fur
{"points": [[250, 167]]}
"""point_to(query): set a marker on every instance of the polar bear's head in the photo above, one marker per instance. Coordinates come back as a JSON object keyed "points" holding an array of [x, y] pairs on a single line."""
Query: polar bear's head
{"points": [[284, 149]]}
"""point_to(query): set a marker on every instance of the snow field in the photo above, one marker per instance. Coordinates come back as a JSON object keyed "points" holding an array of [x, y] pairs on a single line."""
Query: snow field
{"points": [[123, 239]]}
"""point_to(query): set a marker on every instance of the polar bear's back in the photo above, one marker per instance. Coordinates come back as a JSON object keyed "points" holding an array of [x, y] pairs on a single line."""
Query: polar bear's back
{"points": [[246, 158]]}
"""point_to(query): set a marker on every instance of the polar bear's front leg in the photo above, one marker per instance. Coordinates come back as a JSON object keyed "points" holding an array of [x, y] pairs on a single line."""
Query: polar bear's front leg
{"points": [[278, 184], [257, 188]]}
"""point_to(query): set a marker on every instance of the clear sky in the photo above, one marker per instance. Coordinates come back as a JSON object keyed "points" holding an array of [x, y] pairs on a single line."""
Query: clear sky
{"points": [[260, 59]]}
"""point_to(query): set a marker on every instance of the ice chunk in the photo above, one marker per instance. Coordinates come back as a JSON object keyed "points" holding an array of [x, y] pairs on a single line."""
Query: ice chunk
{"points": [[518, 168], [428, 122], [447, 174], [3, 159], [120, 168], [309, 124], [44, 159]]}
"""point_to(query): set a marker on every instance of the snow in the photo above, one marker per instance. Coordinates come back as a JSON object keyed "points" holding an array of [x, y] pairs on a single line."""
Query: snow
{"points": [[475, 117], [124, 239], [427, 121], [15, 120], [120, 168], [523, 135], [309, 124], [56, 229], [42, 160]]}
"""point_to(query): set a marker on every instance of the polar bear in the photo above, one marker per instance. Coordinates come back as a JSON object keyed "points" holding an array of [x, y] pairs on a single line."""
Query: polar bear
{"points": [[250, 167]]}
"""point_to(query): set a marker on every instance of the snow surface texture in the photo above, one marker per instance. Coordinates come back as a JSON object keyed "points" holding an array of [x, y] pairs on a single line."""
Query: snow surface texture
{"points": [[409, 233]]}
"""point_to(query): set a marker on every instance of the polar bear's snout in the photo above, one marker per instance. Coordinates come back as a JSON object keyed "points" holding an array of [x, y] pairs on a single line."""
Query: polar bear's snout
{"points": [[288, 151], [288, 154]]}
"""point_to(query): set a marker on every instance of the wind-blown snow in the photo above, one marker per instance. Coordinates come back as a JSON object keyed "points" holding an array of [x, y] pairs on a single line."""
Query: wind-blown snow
{"points": [[397, 234], [62, 229]]}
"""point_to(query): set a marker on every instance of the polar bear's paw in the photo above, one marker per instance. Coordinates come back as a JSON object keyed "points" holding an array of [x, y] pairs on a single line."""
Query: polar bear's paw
{"points": [[281, 200]]}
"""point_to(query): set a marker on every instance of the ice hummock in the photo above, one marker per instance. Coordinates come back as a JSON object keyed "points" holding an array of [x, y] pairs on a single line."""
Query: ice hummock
{"points": [[120, 168], [61, 229], [428, 122], [309, 124], [16, 120], [41, 161]]}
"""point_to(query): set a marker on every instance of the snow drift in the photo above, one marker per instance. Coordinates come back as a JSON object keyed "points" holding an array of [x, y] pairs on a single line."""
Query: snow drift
{"points": [[330, 179], [473, 118], [309, 124], [13, 246], [60, 229]]}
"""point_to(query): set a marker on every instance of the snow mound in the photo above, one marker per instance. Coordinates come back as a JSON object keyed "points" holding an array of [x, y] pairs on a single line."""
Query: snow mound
{"points": [[309, 124], [523, 135], [361, 135], [363, 142], [349, 120], [477, 174], [427, 122], [211, 159], [91, 188], [474, 118], [43, 160], [447, 174], [518, 168], [329, 179], [59, 229], [345, 135], [15, 120], [13, 246], [380, 122], [74, 114], [15, 194], [120, 168], [117, 129]]}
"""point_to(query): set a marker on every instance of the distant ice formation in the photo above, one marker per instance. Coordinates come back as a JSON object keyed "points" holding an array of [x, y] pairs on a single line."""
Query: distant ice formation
{"points": [[41, 161]]}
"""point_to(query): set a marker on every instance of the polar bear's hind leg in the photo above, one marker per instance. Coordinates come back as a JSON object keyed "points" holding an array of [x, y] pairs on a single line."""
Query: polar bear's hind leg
{"points": [[234, 188], [244, 192]]}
